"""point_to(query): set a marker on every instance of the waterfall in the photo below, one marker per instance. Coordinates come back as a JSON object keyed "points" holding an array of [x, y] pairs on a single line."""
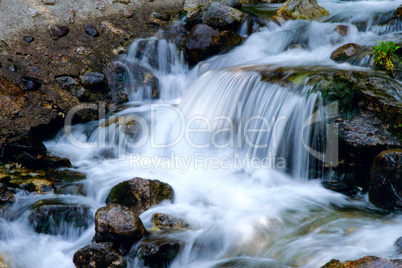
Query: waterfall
{"points": [[241, 152]]}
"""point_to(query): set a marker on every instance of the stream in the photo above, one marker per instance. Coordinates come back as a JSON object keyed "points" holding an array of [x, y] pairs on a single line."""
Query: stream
{"points": [[246, 194]]}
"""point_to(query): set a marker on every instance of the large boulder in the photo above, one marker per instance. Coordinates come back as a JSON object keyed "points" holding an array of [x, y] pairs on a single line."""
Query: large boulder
{"points": [[156, 252], [223, 17], [140, 194], [53, 216], [385, 188], [344, 52], [204, 42], [302, 9], [368, 261], [99, 255], [117, 223]]}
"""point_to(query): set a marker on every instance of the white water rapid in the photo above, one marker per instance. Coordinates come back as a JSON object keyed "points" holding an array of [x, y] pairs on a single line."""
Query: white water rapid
{"points": [[255, 212]]}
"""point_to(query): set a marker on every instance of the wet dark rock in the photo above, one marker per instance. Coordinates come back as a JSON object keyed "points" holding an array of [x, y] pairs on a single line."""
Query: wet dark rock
{"points": [[29, 39], [302, 9], [117, 223], [52, 216], [140, 194], [57, 175], [161, 16], [193, 18], [368, 261], [94, 81], [70, 189], [68, 83], [385, 188], [232, 3], [156, 252], [344, 52], [223, 17], [90, 30], [342, 29], [22, 144], [167, 221], [398, 245], [175, 32], [6, 195], [116, 76], [31, 83], [99, 255], [204, 42], [57, 31]]}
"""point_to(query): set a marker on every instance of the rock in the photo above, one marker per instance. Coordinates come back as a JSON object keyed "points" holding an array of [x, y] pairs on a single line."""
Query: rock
{"points": [[156, 252], [33, 12], [83, 51], [94, 81], [49, 2], [99, 255], [117, 223], [90, 30], [398, 245], [64, 175], [167, 221], [193, 18], [29, 39], [342, 29], [70, 189], [31, 83], [69, 15], [385, 189], [344, 52], [399, 11], [161, 16], [124, 1], [51, 216], [223, 17], [57, 31], [12, 68], [142, 78], [175, 32], [68, 83], [36, 185], [128, 13], [140, 194], [204, 42], [232, 3], [100, 5], [368, 261], [6, 195], [22, 144], [302, 9]]}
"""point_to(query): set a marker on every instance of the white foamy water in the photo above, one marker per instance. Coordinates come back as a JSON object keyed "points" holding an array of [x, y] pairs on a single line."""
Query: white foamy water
{"points": [[246, 195]]}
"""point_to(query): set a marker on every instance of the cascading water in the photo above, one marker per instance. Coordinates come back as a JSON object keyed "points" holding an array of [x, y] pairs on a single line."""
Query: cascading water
{"points": [[239, 212]]}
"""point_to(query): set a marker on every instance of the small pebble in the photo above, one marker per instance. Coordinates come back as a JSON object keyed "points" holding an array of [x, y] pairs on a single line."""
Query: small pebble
{"points": [[124, 1], [33, 12], [101, 5], [48, 2], [57, 31], [90, 29], [69, 15], [29, 39], [12, 68], [83, 51], [128, 13], [160, 16]]}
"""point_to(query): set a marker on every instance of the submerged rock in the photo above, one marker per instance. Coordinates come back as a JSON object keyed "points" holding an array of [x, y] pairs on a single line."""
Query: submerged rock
{"points": [[223, 17], [167, 221], [117, 223], [344, 52], [302, 9], [368, 261], [140, 194], [156, 252], [52, 216], [385, 188], [99, 255]]}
